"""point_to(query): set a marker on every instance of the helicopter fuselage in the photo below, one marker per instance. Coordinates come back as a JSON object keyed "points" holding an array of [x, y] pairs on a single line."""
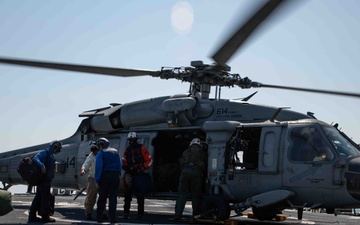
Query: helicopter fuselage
{"points": [[258, 156]]}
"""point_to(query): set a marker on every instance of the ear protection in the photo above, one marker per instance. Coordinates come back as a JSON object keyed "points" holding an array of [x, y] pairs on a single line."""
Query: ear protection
{"points": [[101, 144]]}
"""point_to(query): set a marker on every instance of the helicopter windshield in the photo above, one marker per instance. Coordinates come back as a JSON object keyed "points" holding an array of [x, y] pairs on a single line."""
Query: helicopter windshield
{"points": [[340, 143], [308, 144]]}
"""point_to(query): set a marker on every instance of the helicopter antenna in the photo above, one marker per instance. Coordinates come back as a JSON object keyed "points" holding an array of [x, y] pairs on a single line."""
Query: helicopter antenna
{"points": [[273, 117], [248, 97]]}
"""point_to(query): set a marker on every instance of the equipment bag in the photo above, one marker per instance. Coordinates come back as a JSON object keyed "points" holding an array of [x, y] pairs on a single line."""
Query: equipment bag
{"points": [[5, 202], [30, 171]]}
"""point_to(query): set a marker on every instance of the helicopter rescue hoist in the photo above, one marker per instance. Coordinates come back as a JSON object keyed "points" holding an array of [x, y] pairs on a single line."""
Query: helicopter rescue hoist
{"points": [[260, 157]]}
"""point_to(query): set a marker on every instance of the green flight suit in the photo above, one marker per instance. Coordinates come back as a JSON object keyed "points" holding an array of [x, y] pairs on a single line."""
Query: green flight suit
{"points": [[192, 165]]}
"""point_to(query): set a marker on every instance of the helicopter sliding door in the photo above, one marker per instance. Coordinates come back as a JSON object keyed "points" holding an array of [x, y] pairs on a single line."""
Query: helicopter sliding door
{"points": [[269, 149]]}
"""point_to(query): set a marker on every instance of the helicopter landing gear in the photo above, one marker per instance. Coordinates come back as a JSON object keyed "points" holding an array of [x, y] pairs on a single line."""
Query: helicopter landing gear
{"points": [[215, 207], [266, 213]]}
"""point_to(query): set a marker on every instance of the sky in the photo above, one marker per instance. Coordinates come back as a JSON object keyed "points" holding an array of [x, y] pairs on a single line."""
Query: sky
{"points": [[311, 44]]}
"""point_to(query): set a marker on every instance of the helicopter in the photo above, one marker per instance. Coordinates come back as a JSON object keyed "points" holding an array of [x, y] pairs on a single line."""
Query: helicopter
{"points": [[256, 152]]}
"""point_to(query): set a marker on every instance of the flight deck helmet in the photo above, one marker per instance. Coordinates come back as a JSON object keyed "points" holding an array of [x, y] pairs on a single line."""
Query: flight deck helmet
{"points": [[56, 146], [132, 137], [102, 143], [195, 141]]}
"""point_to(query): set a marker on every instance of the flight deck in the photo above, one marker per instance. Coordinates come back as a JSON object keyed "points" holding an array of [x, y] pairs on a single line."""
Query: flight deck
{"points": [[70, 211]]}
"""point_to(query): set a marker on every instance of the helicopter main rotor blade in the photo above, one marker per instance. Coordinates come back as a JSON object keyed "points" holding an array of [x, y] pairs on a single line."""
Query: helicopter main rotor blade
{"points": [[240, 36], [81, 68], [357, 95]]}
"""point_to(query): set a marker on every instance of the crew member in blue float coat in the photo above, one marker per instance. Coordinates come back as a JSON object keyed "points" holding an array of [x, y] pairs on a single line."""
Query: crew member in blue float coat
{"points": [[45, 159], [107, 178]]}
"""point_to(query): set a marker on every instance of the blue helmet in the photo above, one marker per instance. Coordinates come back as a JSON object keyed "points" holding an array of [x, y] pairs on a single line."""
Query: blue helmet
{"points": [[56, 146]]}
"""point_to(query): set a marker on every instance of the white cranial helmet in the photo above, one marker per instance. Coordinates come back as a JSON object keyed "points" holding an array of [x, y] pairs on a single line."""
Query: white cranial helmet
{"points": [[132, 135], [195, 141]]}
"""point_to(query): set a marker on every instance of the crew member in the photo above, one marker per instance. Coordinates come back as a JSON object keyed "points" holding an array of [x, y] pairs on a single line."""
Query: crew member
{"points": [[135, 160], [192, 164], [91, 189], [45, 159], [107, 178]]}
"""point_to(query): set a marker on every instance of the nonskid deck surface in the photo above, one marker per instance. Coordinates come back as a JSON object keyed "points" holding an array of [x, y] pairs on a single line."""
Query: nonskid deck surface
{"points": [[68, 211]]}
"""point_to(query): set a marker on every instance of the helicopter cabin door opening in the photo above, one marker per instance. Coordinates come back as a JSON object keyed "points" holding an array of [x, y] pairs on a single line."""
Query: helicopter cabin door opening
{"points": [[253, 149], [168, 148], [251, 160]]}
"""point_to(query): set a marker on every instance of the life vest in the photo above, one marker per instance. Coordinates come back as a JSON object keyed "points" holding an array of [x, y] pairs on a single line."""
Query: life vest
{"points": [[133, 155]]}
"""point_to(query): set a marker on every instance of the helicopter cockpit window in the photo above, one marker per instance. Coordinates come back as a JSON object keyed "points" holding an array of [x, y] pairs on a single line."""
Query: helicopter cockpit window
{"points": [[307, 144], [340, 143]]}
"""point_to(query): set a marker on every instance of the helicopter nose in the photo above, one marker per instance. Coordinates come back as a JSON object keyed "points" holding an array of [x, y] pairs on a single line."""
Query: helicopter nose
{"points": [[353, 178]]}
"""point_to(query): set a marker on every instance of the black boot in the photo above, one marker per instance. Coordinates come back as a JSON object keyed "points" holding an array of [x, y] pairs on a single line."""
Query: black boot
{"points": [[47, 219], [33, 217], [89, 216]]}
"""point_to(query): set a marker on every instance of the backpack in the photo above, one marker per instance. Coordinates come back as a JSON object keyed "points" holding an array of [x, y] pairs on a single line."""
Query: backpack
{"points": [[30, 171]]}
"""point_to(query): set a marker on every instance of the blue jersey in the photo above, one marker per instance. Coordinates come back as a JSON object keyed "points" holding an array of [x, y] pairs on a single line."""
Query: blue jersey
{"points": [[107, 159], [45, 159]]}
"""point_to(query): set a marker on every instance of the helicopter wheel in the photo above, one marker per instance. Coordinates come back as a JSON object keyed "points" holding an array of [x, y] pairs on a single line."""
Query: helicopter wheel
{"points": [[215, 207], [265, 213]]}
